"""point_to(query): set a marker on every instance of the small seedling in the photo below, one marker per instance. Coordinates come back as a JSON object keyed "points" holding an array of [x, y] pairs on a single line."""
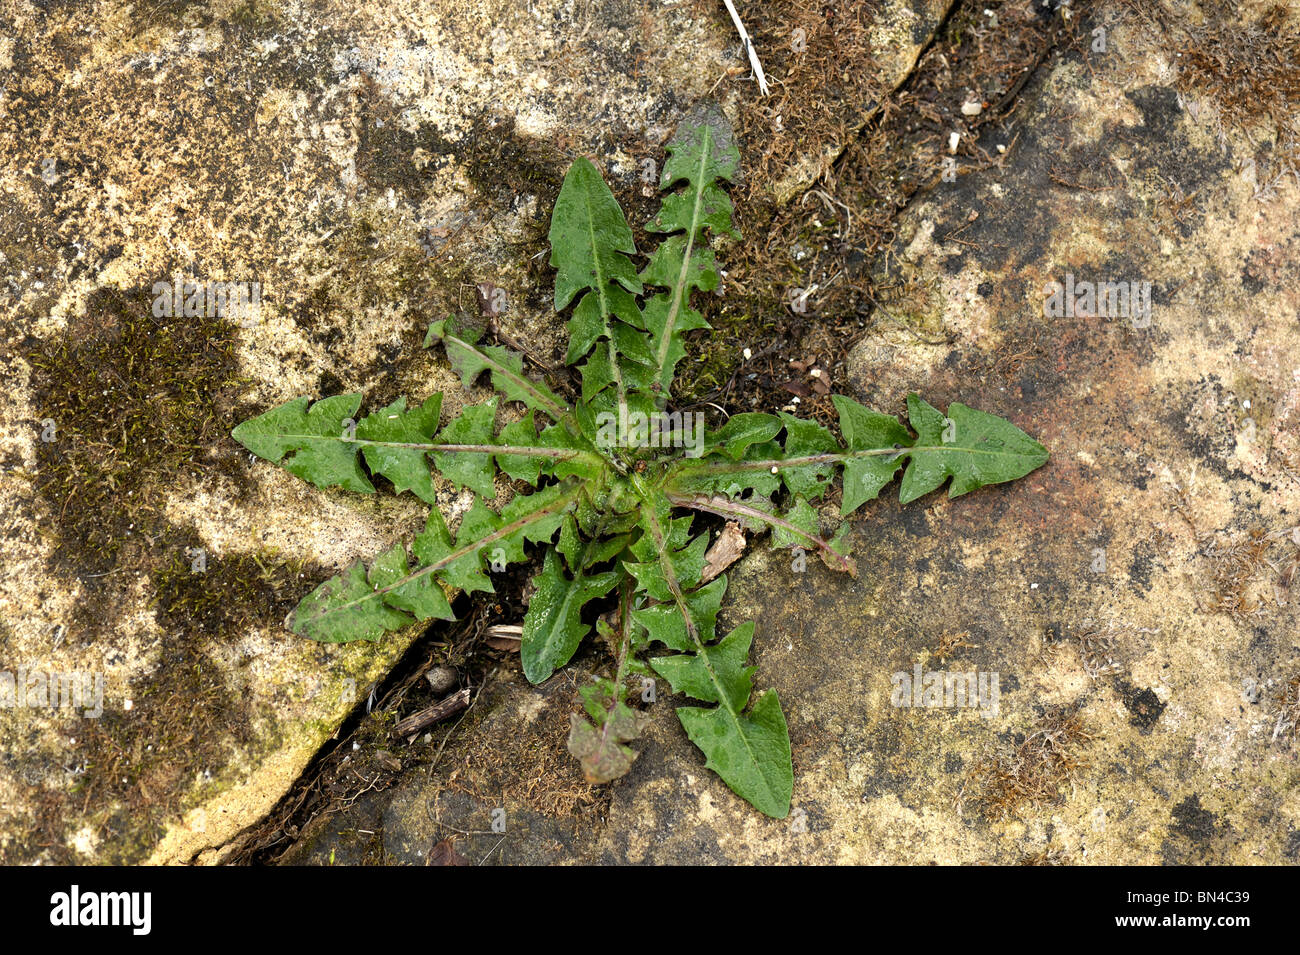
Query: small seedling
{"points": [[607, 484]]}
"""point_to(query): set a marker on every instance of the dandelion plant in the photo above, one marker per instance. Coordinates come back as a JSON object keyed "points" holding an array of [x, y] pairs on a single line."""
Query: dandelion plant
{"points": [[608, 486]]}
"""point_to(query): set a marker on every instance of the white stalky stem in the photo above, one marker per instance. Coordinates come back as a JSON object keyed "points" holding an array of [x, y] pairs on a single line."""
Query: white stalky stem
{"points": [[749, 47]]}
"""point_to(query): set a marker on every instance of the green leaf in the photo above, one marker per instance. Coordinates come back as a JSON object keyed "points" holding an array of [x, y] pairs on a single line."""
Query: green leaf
{"points": [[585, 463], [672, 552], [750, 751], [590, 238], [361, 605], [520, 510], [590, 321], [864, 430], [505, 368], [470, 469], [701, 153], [803, 439], [318, 441], [476, 525], [972, 447], [716, 675], [741, 431], [801, 525], [590, 244], [553, 626], [346, 608], [422, 597], [600, 745], [407, 468], [358, 605], [752, 472], [665, 623]]}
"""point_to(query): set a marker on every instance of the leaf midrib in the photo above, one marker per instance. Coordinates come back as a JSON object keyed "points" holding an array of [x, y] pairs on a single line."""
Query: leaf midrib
{"points": [[559, 504], [670, 321], [670, 577]]}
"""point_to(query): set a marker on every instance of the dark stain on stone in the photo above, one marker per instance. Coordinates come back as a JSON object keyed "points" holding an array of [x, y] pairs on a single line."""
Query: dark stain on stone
{"points": [[913, 521], [388, 153], [1139, 570], [886, 740], [329, 384], [1209, 450], [1143, 705], [1194, 822], [1159, 107]]}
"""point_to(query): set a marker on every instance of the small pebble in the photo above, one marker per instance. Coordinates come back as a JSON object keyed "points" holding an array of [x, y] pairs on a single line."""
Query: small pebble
{"points": [[442, 679]]}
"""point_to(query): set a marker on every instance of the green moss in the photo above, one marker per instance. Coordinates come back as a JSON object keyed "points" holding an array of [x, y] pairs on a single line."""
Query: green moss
{"points": [[140, 405], [133, 403], [714, 357], [199, 592], [504, 165], [254, 15]]}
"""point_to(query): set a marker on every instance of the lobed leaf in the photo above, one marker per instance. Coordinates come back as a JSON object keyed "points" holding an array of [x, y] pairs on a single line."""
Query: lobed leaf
{"points": [[359, 604], [470, 469], [406, 467], [505, 368], [590, 244], [701, 153], [863, 430], [311, 443], [553, 626], [749, 751], [972, 447]]}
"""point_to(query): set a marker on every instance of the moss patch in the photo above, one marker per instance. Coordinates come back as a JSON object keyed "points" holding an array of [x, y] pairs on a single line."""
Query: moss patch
{"points": [[130, 403], [138, 405]]}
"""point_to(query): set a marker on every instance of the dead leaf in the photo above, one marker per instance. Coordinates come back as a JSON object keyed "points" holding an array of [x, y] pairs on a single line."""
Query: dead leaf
{"points": [[726, 550], [504, 637], [443, 853], [601, 752]]}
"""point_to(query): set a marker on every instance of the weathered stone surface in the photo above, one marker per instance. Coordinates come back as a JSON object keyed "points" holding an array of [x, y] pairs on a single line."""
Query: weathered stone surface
{"points": [[367, 165], [1139, 580]]}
